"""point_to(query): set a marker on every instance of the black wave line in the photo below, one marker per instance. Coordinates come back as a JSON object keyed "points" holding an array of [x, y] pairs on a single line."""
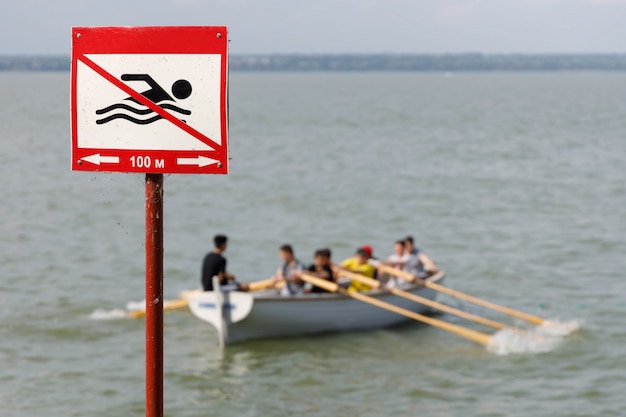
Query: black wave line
{"points": [[129, 118], [175, 108], [125, 107], [142, 111]]}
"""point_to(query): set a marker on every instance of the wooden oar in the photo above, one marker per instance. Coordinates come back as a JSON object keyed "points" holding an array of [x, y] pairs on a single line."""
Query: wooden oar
{"points": [[425, 301], [470, 334], [264, 284], [437, 287], [170, 305], [182, 302]]}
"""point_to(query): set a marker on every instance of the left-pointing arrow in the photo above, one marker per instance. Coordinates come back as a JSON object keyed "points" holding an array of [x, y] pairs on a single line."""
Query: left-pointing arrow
{"points": [[98, 159]]}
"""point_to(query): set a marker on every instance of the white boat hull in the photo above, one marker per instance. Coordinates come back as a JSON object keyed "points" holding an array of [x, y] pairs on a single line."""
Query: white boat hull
{"points": [[274, 316]]}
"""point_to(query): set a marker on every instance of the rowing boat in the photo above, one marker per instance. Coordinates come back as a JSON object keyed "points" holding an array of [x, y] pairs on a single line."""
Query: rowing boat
{"points": [[265, 314]]}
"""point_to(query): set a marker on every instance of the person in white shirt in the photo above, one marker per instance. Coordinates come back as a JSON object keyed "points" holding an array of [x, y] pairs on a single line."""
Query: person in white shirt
{"points": [[398, 260], [399, 256]]}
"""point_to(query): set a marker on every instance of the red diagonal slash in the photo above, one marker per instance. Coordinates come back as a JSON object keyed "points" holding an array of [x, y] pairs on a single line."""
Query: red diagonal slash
{"points": [[148, 103]]}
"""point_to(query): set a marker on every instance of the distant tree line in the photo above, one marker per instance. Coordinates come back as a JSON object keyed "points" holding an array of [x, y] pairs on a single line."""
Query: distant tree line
{"points": [[34, 63], [411, 62], [379, 62]]}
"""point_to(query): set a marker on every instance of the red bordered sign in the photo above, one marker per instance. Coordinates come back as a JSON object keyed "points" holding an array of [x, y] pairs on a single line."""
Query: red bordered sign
{"points": [[150, 99]]}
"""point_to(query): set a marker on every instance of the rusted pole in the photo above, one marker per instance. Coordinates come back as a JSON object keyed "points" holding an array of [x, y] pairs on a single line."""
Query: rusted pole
{"points": [[154, 295]]}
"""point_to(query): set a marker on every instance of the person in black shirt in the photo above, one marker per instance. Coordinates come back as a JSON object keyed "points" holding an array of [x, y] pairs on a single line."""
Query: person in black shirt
{"points": [[215, 265], [321, 268]]}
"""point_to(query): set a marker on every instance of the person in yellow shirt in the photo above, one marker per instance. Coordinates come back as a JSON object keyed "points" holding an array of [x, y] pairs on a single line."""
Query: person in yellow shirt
{"points": [[358, 263]]}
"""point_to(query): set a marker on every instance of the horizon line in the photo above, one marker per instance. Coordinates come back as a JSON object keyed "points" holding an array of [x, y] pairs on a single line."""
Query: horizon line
{"points": [[59, 55]]}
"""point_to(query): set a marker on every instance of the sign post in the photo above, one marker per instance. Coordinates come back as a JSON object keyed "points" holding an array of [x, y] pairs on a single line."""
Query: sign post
{"points": [[150, 100], [154, 295]]}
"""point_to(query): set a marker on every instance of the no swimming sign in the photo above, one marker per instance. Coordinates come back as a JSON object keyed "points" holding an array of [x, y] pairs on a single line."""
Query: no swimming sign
{"points": [[150, 99]]}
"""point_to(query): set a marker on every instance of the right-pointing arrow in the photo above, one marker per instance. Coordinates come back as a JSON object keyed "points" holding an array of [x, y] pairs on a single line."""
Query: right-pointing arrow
{"points": [[200, 161]]}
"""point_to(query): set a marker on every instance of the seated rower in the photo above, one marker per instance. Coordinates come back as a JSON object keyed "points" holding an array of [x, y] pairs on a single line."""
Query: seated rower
{"points": [[398, 260], [370, 256], [326, 255], [321, 269], [358, 263], [214, 265], [399, 256], [289, 272], [417, 263]]}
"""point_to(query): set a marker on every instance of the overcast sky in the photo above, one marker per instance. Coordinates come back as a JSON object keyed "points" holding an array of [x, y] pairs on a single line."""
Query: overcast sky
{"points": [[338, 26]]}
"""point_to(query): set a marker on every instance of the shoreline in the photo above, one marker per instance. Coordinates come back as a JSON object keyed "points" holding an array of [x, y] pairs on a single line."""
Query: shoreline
{"points": [[471, 62]]}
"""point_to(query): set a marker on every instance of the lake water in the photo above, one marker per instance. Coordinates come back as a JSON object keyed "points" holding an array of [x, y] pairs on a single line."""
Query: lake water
{"points": [[514, 183]]}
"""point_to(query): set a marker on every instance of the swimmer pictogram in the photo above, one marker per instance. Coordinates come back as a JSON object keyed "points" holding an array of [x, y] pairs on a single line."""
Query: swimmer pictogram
{"points": [[180, 89]]}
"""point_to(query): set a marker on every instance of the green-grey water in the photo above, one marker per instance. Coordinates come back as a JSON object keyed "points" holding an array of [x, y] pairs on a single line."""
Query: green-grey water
{"points": [[515, 183]]}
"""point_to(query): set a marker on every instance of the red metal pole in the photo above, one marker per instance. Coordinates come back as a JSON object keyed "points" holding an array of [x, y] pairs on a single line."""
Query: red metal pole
{"points": [[154, 295]]}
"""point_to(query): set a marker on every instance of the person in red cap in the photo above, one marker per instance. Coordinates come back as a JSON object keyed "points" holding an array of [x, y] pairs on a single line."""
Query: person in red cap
{"points": [[358, 263], [370, 255]]}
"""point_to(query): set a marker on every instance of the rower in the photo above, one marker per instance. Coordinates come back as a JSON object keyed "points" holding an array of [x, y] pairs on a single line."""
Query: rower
{"points": [[417, 262], [358, 263], [398, 260], [370, 256], [320, 268], [214, 265], [399, 257], [289, 272]]}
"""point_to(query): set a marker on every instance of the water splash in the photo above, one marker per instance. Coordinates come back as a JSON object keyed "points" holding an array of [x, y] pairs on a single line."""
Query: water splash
{"points": [[540, 339], [559, 328], [101, 314], [117, 313], [131, 307], [136, 305]]}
